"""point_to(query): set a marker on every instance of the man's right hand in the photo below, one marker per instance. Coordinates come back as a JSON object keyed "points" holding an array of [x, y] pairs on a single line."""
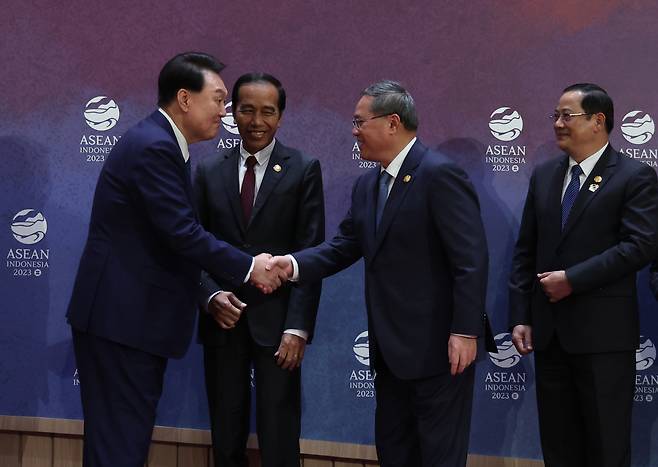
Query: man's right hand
{"points": [[226, 308], [522, 338], [266, 279], [283, 263]]}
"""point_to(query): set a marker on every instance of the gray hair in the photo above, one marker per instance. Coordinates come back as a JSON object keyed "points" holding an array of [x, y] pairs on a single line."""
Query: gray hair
{"points": [[389, 97]]}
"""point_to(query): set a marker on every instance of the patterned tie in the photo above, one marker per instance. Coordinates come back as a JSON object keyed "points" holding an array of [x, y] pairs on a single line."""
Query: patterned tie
{"points": [[571, 192], [248, 189], [382, 194]]}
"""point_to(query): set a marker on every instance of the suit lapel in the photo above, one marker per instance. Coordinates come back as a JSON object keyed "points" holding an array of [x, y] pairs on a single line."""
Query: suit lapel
{"points": [[604, 168], [370, 208], [162, 122], [398, 192], [229, 169], [271, 178]]}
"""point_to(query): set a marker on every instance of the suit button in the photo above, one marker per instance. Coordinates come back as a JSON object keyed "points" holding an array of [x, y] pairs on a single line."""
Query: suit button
{"points": [[246, 245]]}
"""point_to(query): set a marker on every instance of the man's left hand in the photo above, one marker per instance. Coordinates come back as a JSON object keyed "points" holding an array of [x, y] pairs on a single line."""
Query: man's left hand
{"points": [[555, 284], [461, 353], [290, 352]]}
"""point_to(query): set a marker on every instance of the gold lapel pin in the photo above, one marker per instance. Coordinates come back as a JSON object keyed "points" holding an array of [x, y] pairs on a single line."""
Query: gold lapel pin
{"points": [[598, 179], [406, 179], [277, 168], [593, 187]]}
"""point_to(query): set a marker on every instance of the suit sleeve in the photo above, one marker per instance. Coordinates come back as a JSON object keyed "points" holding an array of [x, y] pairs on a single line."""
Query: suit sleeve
{"points": [[334, 255], [522, 277], [637, 237], [653, 278], [456, 215], [159, 185], [309, 232], [208, 285]]}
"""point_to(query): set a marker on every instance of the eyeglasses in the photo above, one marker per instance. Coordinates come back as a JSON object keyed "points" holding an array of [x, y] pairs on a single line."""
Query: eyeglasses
{"points": [[358, 123], [566, 117]]}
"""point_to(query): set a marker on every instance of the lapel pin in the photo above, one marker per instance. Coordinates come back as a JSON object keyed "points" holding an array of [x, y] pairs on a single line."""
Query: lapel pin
{"points": [[406, 179], [598, 179], [277, 168], [593, 187]]}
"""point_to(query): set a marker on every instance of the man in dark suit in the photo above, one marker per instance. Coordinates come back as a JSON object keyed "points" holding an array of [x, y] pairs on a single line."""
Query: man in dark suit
{"points": [[589, 224], [262, 196], [416, 222], [134, 296], [653, 278]]}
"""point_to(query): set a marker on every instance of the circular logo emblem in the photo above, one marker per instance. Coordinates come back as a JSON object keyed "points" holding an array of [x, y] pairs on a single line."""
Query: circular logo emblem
{"points": [[507, 355], [637, 127], [101, 113], [361, 350], [29, 226], [505, 124], [645, 354], [228, 122]]}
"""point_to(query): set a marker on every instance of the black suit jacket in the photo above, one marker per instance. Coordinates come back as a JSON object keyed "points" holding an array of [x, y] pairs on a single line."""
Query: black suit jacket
{"points": [[610, 234], [139, 271], [425, 266], [288, 214]]}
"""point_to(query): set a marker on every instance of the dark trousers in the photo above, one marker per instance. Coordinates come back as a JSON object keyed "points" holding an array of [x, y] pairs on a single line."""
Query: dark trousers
{"points": [[278, 402], [120, 388], [424, 422], [585, 403]]}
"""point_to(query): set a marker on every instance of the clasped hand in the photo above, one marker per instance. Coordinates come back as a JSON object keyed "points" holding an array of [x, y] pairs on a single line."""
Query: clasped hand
{"points": [[267, 276]]}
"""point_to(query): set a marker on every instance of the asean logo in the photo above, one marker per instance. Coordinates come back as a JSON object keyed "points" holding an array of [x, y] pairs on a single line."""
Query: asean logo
{"points": [[101, 113], [507, 355], [29, 226], [645, 354], [505, 124], [361, 350], [228, 122], [637, 127]]}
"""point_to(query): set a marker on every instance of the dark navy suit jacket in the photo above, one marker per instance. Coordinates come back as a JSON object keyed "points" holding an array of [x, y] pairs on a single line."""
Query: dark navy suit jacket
{"points": [[610, 234], [139, 273], [425, 266], [288, 215]]}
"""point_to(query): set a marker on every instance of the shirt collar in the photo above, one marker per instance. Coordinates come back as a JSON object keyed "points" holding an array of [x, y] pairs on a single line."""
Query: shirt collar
{"points": [[395, 165], [182, 142], [589, 162], [262, 156]]}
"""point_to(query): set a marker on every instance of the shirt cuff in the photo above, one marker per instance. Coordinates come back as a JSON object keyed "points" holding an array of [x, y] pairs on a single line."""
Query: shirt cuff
{"points": [[468, 336], [297, 332], [211, 297], [295, 269], [251, 268]]}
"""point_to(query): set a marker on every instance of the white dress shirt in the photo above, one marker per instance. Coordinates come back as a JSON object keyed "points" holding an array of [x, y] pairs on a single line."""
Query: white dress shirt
{"points": [[587, 165]]}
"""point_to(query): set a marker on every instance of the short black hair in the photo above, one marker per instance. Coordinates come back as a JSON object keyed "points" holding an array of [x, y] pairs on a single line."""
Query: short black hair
{"points": [[595, 100], [185, 71], [258, 77], [389, 97]]}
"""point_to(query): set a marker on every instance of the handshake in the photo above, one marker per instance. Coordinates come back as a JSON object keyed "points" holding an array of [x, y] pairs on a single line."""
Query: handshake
{"points": [[270, 272]]}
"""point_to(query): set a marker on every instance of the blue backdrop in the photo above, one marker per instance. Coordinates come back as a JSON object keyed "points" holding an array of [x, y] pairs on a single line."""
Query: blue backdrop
{"points": [[485, 76]]}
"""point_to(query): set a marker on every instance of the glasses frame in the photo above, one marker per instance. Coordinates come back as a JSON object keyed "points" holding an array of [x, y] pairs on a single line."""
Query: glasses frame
{"points": [[357, 124], [566, 117]]}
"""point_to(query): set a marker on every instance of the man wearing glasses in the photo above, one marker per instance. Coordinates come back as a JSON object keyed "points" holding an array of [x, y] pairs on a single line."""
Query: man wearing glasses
{"points": [[589, 224], [416, 222]]}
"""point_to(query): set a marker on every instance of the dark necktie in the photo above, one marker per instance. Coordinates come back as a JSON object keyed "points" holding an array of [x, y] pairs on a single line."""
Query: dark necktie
{"points": [[571, 192], [382, 195], [248, 189]]}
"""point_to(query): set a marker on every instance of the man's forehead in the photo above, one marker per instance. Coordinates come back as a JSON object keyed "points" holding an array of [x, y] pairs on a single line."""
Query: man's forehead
{"points": [[363, 106], [570, 99]]}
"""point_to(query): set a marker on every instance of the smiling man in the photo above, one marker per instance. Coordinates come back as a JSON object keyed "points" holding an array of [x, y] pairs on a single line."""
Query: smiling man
{"points": [[133, 302], [415, 220], [589, 224], [262, 196]]}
